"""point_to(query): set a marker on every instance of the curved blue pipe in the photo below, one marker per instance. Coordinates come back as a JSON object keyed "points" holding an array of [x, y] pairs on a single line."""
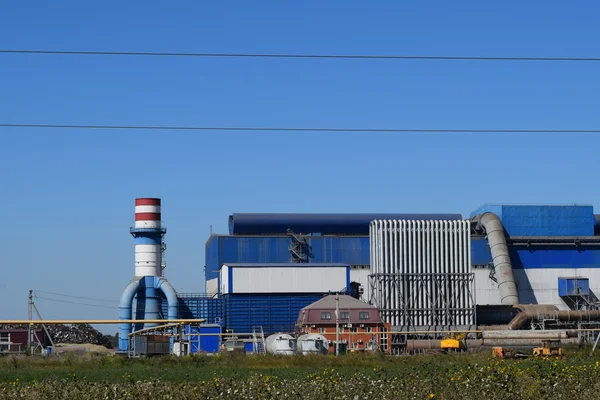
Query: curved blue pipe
{"points": [[125, 313], [148, 301], [171, 295]]}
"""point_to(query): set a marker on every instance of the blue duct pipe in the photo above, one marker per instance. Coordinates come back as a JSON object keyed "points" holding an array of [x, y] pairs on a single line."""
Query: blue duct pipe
{"points": [[149, 302], [125, 313], [172, 300]]}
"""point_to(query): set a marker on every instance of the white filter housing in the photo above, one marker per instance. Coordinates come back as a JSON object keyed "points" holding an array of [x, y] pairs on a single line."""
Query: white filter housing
{"points": [[421, 273]]}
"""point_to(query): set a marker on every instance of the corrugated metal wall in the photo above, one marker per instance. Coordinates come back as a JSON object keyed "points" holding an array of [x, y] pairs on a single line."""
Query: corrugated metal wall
{"points": [[275, 313], [351, 250], [421, 274], [544, 220], [192, 306]]}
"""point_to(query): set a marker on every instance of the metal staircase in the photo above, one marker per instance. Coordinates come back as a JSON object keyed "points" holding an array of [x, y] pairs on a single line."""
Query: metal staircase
{"points": [[258, 339], [299, 248]]}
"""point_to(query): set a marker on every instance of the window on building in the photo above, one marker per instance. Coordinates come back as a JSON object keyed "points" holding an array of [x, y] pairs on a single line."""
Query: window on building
{"points": [[341, 329], [321, 330], [345, 315], [325, 315], [354, 330], [368, 329], [363, 315], [4, 341]]}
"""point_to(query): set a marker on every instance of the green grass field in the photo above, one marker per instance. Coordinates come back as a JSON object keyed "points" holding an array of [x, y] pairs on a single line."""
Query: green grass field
{"points": [[459, 376]]}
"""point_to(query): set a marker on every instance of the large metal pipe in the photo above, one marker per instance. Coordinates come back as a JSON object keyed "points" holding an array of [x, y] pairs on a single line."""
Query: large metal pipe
{"points": [[500, 257], [526, 342], [125, 313], [478, 344], [533, 334], [525, 317]]}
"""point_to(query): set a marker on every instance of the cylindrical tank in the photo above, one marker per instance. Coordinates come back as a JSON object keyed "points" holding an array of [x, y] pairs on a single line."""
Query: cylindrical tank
{"points": [[313, 343], [281, 344]]}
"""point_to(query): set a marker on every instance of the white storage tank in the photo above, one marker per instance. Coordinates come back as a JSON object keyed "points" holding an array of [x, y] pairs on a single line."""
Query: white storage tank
{"points": [[281, 344], [313, 343]]}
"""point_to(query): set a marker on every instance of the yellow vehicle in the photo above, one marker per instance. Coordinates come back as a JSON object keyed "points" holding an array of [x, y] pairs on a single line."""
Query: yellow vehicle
{"points": [[502, 352], [550, 348], [453, 342]]}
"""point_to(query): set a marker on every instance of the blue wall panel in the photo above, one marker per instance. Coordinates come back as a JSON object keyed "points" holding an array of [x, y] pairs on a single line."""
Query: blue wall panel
{"points": [[197, 306], [573, 287], [480, 251], [555, 258], [275, 313], [544, 220], [353, 250]]}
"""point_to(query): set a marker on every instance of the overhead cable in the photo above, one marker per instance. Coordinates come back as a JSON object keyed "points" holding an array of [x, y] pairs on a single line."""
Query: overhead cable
{"points": [[282, 55], [74, 297], [73, 302], [295, 129]]}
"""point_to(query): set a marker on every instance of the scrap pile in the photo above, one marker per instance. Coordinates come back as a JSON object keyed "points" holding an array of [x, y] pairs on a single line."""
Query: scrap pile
{"points": [[78, 334], [71, 334]]}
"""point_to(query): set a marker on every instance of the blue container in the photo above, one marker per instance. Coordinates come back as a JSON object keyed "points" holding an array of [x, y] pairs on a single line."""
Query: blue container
{"points": [[204, 344], [573, 287]]}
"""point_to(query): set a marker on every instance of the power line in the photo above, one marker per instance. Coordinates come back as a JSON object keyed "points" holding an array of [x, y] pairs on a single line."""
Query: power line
{"points": [[294, 129], [75, 297], [276, 55], [73, 302]]}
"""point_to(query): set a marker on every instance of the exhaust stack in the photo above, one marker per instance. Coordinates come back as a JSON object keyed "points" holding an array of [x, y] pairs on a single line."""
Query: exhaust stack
{"points": [[148, 279]]}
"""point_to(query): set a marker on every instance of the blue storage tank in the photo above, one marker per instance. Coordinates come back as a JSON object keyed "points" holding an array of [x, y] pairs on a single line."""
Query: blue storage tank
{"points": [[324, 224], [573, 287]]}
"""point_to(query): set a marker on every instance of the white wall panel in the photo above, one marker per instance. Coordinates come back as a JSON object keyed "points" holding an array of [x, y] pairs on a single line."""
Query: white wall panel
{"points": [[211, 286], [303, 279], [535, 285], [361, 276]]}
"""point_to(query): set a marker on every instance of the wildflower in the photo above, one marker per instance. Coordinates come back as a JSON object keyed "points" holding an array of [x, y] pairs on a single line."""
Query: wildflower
{"points": [[431, 395]]}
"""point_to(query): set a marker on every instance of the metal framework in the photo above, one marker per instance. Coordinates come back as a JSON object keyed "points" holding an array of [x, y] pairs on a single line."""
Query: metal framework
{"points": [[421, 276], [425, 301]]}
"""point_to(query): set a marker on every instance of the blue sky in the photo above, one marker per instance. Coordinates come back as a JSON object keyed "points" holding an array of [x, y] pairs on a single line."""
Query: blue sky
{"points": [[67, 195]]}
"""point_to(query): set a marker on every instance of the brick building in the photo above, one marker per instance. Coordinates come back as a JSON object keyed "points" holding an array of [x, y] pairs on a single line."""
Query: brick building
{"points": [[359, 323]]}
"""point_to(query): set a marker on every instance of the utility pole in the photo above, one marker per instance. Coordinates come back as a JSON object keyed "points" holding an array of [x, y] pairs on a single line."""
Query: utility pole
{"points": [[30, 326], [337, 322]]}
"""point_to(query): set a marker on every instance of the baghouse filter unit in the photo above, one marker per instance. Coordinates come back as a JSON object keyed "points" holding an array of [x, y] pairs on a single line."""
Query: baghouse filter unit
{"points": [[420, 276]]}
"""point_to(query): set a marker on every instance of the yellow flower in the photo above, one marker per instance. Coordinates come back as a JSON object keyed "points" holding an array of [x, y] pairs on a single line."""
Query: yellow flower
{"points": [[431, 395]]}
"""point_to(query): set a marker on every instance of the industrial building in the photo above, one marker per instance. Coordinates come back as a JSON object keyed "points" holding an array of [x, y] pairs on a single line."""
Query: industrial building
{"points": [[508, 267]]}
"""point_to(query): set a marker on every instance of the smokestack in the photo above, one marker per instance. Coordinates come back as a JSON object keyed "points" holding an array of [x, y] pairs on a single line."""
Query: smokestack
{"points": [[148, 281]]}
